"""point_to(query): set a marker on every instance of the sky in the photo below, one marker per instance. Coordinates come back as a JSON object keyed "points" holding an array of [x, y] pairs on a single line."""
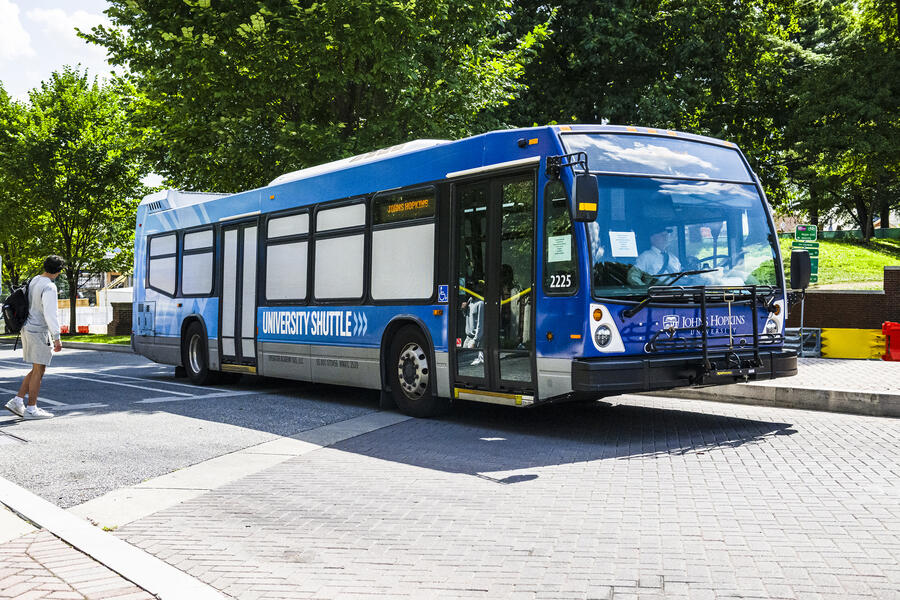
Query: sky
{"points": [[38, 37]]}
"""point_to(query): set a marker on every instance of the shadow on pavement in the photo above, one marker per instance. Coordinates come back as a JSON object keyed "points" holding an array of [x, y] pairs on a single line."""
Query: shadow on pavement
{"points": [[477, 439]]}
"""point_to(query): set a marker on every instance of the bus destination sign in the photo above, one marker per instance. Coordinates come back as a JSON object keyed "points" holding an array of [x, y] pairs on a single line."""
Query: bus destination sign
{"points": [[403, 207]]}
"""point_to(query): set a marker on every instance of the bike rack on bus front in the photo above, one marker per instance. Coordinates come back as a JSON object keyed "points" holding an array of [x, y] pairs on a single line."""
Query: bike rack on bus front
{"points": [[714, 296]]}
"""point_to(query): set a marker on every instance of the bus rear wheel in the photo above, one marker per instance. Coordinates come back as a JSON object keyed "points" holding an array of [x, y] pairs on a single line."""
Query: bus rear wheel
{"points": [[195, 356], [411, 375]]}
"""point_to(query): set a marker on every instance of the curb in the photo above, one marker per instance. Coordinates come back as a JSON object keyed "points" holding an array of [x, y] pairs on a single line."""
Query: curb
{"points": [[839, 401], [145, 570]]}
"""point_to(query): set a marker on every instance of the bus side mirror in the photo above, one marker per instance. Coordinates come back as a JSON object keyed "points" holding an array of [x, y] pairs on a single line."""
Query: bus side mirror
{"points": [[586, 198], [801, 269]]}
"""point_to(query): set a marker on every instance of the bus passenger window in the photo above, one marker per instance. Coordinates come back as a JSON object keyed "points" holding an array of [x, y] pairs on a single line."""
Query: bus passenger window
{"points": [[161, 267], [197, 264], [560, 266]]}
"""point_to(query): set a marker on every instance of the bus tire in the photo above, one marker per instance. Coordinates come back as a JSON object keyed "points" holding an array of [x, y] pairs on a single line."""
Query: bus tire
{"points": [[411, 375], [195, 356]]}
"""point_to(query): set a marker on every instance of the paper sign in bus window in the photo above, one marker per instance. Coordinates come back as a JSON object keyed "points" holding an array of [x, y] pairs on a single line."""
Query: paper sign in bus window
{"points": [[623, 243], [559, 248]]}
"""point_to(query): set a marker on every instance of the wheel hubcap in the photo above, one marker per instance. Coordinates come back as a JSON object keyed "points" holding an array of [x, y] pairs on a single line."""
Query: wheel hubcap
{"points": [[413, 371], [194, 354]]}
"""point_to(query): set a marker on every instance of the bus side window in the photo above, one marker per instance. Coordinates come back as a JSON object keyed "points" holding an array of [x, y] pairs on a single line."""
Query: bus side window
{"points": [[161, 267], [560, 267]]}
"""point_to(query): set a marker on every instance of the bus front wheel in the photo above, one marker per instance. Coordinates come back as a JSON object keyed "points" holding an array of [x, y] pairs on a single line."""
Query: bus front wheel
{"points": [[412, 375], [195, 356]]}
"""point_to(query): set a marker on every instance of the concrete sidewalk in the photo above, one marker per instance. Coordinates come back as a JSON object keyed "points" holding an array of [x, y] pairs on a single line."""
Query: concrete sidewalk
{"points": [[860, 387]]}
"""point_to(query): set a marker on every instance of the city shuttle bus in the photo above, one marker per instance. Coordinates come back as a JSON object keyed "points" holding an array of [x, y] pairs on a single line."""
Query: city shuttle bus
{"points": [[517, 267]]}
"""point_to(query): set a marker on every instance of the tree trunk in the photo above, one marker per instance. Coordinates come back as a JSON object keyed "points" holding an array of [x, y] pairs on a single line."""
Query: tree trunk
{"points": [[814, 206], [885, 210], [73, 298], [863, 217]]}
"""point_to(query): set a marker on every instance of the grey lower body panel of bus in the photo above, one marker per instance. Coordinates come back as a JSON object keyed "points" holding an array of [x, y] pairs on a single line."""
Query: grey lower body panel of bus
{"points": [[342, 365], [554, 377], [165, 350]]}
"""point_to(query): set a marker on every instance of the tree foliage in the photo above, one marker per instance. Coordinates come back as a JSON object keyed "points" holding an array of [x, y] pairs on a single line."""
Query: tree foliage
{"points": [[238, 93], [72, 167]]}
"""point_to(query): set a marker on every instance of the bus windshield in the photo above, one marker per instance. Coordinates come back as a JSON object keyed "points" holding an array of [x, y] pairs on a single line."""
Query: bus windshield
{"points": [[653, 231], [660, 156]]}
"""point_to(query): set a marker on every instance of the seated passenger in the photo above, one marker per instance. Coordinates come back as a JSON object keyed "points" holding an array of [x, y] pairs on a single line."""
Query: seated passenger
{"points": [[655, 261]]}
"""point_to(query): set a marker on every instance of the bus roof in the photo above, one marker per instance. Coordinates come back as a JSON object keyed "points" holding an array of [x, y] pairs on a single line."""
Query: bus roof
{"points": [[417, 161]]}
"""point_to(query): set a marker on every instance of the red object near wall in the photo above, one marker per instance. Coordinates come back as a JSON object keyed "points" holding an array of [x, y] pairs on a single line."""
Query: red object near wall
{"points": [[84, 329], [891, 333], [64, 329]]}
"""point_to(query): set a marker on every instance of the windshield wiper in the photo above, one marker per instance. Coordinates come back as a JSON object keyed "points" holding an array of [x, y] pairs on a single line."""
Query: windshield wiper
{"points": [[679, 274]]}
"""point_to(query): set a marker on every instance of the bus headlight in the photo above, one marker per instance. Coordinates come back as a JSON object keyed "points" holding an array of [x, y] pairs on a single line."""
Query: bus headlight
{"points": [[603, 336]]}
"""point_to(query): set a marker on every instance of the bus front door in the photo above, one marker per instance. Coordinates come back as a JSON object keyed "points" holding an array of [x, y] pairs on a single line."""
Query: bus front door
{"points": [[237, 339], [493, 357]]}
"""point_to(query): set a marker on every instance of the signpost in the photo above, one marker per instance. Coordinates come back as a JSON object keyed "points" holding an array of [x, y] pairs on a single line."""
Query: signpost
{"points": [[805, 238]]}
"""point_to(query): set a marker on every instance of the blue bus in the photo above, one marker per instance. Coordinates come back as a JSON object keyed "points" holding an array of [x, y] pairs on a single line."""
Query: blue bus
{"points": [[516, 267]]}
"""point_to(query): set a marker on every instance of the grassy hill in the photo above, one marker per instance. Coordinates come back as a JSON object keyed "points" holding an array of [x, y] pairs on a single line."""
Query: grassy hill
{"points": [[850, 264]]}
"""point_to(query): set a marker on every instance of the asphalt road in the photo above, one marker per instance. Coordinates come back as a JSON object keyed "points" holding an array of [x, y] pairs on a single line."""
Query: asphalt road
{"points": [[121, 419]]}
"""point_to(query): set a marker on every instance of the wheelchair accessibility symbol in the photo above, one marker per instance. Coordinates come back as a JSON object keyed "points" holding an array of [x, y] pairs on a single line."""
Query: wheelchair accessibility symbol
{"points": [[443, 294]]}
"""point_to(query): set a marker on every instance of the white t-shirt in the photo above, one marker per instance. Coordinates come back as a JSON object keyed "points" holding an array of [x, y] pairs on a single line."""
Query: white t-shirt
{"points": [[42, 305]]}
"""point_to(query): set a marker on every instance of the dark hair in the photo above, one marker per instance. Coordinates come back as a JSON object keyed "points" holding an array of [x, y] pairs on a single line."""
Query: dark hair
{"points": [[54, 264]]}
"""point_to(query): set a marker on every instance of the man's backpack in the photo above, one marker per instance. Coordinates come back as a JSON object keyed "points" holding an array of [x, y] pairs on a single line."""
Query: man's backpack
{"points": [[15, 308]]}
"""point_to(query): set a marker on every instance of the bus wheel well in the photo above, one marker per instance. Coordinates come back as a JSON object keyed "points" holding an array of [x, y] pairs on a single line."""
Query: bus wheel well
{"points": [[184, 327], [389, 332]]}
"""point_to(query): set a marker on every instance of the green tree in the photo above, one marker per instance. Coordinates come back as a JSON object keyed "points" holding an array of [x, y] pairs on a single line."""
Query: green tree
{"points": [[701, 66], [846, 119], [20, 230], [238, 93], [75, 163]]}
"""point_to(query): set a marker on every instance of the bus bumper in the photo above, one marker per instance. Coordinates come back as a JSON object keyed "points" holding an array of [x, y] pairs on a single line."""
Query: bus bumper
{"points": [[629, 374]]}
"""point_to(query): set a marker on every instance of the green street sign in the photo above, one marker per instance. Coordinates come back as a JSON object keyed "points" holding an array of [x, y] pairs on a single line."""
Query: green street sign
{"points": [[805, 232], [813, 278], [814, 262], [811, 247]]}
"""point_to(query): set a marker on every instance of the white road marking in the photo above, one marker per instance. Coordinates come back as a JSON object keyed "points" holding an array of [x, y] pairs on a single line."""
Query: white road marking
{"points": [[163, 399], [130, 385], [81, 406], [42, 399]]}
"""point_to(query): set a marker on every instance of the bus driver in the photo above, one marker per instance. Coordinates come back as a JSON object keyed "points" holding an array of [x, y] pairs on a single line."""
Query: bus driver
{"points": [[654, 261]]}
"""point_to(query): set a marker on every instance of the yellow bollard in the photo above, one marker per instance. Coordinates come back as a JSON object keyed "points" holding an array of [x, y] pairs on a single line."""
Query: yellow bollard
{"points": [[852, 343]]}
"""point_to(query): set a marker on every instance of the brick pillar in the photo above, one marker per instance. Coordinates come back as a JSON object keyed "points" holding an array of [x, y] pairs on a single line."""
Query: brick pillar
{"points": [[892, 293]]}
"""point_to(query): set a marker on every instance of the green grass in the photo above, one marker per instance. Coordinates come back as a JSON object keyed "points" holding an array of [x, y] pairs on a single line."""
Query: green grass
{"points": [[94, 338], [850, 261]]}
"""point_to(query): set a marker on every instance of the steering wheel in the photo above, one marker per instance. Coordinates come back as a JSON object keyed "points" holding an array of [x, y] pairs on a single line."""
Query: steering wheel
{"points": [[721, 259]]}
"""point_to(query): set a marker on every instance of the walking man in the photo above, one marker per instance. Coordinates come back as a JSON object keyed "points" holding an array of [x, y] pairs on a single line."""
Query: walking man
{"points": [[40, 327]]}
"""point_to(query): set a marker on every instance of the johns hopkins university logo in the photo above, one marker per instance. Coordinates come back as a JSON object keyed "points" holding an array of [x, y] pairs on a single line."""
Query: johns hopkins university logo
{"points": [[670, 322]]}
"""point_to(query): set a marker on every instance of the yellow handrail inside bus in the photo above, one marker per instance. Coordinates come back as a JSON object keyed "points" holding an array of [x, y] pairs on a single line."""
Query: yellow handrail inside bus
{"points": [[510, 299]]}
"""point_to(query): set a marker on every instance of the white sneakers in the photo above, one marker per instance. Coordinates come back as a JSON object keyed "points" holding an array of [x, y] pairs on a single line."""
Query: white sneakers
{"points": [[17, 407], [478, 359], [35, 412]]}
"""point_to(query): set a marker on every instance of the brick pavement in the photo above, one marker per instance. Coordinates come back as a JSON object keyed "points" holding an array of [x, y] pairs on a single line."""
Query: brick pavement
{"points": [[650, 498], [861, 376], [40, 565]]}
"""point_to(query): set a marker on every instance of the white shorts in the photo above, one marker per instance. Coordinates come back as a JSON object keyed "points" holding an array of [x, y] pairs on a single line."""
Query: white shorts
{"points": [[36, 348]]}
